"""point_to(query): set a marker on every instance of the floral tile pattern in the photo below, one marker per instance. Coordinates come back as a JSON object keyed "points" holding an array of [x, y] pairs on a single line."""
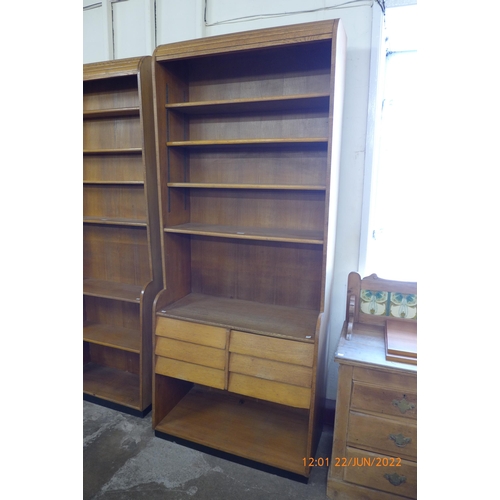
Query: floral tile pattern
{"points": [[394, 304]]}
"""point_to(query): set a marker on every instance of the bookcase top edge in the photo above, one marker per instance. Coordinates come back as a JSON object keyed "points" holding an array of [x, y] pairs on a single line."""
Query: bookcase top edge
{"points": [[248, 40], [114, 68]]}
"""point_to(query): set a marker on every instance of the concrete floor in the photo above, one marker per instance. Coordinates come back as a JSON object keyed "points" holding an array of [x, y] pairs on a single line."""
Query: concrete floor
{"points": [[122, 459]]}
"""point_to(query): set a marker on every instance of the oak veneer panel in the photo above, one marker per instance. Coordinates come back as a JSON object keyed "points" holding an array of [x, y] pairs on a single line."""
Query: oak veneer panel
{"points": [[270, 434], [112, 133], [250, 126], [269, 209], [301, 164], [192, 353], [113, 336], [114, 201], [190, 372], [286, 351], [113, 253], [191, 332], [373, 433], [115, 313], [100, 92], [116, 358], [270, 370], [113, 168], [268, 390], [264, 272]]}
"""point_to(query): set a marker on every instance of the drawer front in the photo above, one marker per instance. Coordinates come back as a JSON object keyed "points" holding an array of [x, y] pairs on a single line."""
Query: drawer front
{"points": [[192, 353], [399, 381], [270, 370], [277, 392], [387, 401], [187, 331], [191, 372], [380, 472], [397, 438], [287, 351]]}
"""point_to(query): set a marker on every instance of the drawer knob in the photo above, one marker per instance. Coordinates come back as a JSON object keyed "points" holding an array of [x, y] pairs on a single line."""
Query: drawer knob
{"points": [[400, 440], [403, 404], [395, 479]]}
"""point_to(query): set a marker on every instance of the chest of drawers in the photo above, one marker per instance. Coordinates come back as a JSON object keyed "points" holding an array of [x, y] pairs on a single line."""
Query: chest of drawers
{"points": [[375, 435]]}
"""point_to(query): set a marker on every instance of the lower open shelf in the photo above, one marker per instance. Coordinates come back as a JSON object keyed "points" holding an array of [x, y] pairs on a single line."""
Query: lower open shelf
{"points": [[264, 432], [113, 385]]}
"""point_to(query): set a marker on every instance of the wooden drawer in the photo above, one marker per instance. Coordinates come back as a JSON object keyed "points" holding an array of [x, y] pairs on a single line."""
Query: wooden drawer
{"points": [[397, 438], [277, 392], [191, 372], [260, 346], [385, 379], [187, 331], [192, 353], [270, 370], [387, 401], [377, 471]]}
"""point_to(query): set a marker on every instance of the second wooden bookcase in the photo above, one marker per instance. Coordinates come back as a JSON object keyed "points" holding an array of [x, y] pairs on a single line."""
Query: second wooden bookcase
{"points": [[121, 248], [248, 137]]}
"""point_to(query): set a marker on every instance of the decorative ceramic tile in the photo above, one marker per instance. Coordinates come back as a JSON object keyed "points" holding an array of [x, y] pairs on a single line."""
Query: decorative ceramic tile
{"points": [[373, 302], [403, 306], [395, 304]]}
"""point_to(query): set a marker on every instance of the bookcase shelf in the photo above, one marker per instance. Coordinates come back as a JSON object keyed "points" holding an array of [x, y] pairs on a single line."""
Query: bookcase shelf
{"points": [[245, 186], [110, 113], [290, 236], [248, 133], [122, 260], [272, 103]]}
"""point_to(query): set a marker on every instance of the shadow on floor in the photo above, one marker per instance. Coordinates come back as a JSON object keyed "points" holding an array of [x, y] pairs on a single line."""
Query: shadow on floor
{"points": [[123, 460]]}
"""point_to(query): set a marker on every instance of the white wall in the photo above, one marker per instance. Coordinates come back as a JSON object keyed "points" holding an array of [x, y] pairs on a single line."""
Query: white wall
{"points": [[182, 20]]}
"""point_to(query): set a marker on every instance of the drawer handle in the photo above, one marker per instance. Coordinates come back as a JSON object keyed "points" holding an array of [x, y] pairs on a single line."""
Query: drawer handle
{"points": [[403, 404], [395, 479], [400, 440]]}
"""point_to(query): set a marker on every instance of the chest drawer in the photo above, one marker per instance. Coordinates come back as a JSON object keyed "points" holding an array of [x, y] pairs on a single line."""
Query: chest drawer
{"points": [[191, 372], [271, 369], [397, 438], [191, 351], [387, 401], [393, 475], [196, 333], [260, 346]]}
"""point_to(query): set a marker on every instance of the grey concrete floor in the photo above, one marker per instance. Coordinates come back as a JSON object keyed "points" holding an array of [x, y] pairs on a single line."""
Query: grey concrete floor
{"points": [[122, 460]]}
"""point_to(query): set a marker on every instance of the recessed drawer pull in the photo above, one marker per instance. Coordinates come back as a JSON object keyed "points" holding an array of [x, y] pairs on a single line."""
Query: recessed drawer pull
{"points": [[395, 479], [403, 404], [400, 440]]}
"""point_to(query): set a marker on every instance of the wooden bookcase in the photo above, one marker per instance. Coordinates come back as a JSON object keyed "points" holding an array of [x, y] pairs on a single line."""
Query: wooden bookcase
{"points": [[248, 136], [121, 233]]}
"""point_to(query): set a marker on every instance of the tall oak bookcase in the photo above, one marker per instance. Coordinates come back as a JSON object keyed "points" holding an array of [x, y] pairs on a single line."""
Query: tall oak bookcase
{"points": [[248, 136], [121, 235]]}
